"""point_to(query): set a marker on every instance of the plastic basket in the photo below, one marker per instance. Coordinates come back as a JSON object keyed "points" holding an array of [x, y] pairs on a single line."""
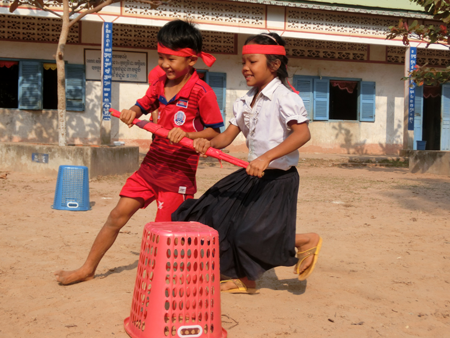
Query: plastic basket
{"points": [[421, 145], [72, 189], [177, 289]]}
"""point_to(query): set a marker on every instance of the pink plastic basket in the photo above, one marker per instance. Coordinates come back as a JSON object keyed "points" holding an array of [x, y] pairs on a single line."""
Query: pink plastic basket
{"points": [[177, 289]]}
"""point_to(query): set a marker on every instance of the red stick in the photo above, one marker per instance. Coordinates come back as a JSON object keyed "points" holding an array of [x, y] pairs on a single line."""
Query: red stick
{"points": [[185, 142]]}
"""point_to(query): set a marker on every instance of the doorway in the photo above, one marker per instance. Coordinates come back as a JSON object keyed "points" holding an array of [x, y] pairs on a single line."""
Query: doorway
{"points": [[432, 100]]}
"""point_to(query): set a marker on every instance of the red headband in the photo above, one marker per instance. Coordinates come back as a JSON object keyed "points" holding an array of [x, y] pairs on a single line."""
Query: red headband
{"points": [[208, 59], [263, 49], [267, 49]]}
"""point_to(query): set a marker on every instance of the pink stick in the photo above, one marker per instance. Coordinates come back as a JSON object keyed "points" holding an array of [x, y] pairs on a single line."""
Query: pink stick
{"points": [[185, 142]]}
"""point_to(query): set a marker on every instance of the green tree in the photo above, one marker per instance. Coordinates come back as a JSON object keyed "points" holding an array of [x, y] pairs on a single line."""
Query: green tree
{"points": [[430, 34], [73, 11]]}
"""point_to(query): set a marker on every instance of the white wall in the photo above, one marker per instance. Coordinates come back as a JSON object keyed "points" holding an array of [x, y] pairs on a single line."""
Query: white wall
{"points": [[383, 136]]}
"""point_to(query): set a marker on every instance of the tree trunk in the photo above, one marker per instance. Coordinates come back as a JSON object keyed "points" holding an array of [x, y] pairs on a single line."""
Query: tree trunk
{"points": [[61, 69]]}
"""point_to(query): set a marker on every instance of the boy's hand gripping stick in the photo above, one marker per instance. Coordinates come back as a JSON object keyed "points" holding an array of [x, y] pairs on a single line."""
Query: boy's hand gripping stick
{"points": [[185, 142]]}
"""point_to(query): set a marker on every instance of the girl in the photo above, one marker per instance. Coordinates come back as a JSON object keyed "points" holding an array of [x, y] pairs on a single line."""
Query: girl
{"points": [[254, 209]]}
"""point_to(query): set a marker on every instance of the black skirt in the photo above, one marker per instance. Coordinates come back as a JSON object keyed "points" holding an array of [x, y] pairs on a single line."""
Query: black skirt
{"points": [[255, 218]]}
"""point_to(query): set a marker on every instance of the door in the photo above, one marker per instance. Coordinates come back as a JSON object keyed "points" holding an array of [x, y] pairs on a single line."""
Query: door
{"points": [[418, 116], [445, 118]]}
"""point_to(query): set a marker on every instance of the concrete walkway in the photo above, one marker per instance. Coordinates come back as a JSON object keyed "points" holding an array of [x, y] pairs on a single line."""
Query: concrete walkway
{"points": [[336, 159]]}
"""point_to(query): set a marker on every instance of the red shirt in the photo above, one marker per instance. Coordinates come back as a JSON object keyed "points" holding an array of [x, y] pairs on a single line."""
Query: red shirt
{"points": [[171, 166]]}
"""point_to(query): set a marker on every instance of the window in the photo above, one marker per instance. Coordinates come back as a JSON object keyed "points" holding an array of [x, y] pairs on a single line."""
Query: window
{"points": [[218, 83], [9, 83], [337, 99], [32, 85], [343, 100], [49, 86]]}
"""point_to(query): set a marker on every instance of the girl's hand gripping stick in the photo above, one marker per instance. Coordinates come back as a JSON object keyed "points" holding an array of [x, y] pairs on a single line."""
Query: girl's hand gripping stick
{"points": [[185, 142]]}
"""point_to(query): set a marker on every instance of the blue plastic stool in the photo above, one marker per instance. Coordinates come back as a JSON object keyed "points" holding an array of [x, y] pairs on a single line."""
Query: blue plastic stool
{"points": [[72, 189], [421, 145]]}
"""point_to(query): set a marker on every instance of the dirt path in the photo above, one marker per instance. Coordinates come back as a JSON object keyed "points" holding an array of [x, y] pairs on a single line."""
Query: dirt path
{"points": [[384, 269]]}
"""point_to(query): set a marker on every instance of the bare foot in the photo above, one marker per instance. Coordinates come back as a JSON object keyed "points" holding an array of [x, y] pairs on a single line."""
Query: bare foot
{"points": [[232, 285], [72, 277], [305, 242]]}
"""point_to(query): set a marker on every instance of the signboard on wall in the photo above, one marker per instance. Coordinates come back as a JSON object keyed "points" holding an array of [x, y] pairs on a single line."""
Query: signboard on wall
{"points": [[39, 158], [106, 70], [412, 95], [126, 66]]}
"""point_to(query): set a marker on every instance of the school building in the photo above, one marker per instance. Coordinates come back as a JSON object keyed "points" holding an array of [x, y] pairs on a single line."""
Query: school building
{"points": [[348, 74]]}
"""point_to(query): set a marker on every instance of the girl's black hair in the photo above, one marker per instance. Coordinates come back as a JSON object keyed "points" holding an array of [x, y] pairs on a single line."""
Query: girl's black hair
{"points": [[264, 39], [180, 34]]}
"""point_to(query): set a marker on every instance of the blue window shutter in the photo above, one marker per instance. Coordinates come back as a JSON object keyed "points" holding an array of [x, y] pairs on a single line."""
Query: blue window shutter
{"points": [[30, 85], [367, 102], [418, 116], [218, 82], [445, 124], [75, 87], [321, 99], [305, 86]]}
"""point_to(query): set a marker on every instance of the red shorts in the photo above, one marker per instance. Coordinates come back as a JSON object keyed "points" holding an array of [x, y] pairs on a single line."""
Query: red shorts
{"points": [[136, 187]]}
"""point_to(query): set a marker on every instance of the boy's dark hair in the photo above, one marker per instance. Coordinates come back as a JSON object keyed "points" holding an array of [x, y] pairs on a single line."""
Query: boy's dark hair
{"points": [[275, 39], [180, 34]]}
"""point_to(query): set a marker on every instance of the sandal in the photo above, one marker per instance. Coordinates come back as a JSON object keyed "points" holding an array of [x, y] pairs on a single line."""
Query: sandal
{"points": [[305, 254], [240, 288]]}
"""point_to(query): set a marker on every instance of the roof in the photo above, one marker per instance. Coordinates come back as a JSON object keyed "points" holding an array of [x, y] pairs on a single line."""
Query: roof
{"points": [[405, 5], [396, 8]]}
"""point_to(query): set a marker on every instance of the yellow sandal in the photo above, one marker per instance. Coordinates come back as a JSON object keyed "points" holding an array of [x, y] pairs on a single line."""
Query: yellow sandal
{"points": [[240, 288], [305, 254]]}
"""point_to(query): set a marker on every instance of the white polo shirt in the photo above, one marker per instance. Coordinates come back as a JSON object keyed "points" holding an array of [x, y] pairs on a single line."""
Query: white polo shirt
{"points": [[266, 124]]}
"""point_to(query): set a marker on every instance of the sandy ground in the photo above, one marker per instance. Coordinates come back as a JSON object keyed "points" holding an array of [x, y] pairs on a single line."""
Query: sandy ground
{"points": [[384, 269]]}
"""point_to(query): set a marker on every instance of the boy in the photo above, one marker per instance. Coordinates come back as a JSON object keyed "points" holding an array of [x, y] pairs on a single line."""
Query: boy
{"points": [[167, 174], [153, 77]]}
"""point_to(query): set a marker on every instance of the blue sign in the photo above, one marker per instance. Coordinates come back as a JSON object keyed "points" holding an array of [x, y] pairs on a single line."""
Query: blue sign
{"points": [[412, 91], [39, 158], [107, 70]]}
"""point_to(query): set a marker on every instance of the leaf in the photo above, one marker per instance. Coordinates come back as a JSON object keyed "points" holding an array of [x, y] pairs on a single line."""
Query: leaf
{"points": [[14, 6]]}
